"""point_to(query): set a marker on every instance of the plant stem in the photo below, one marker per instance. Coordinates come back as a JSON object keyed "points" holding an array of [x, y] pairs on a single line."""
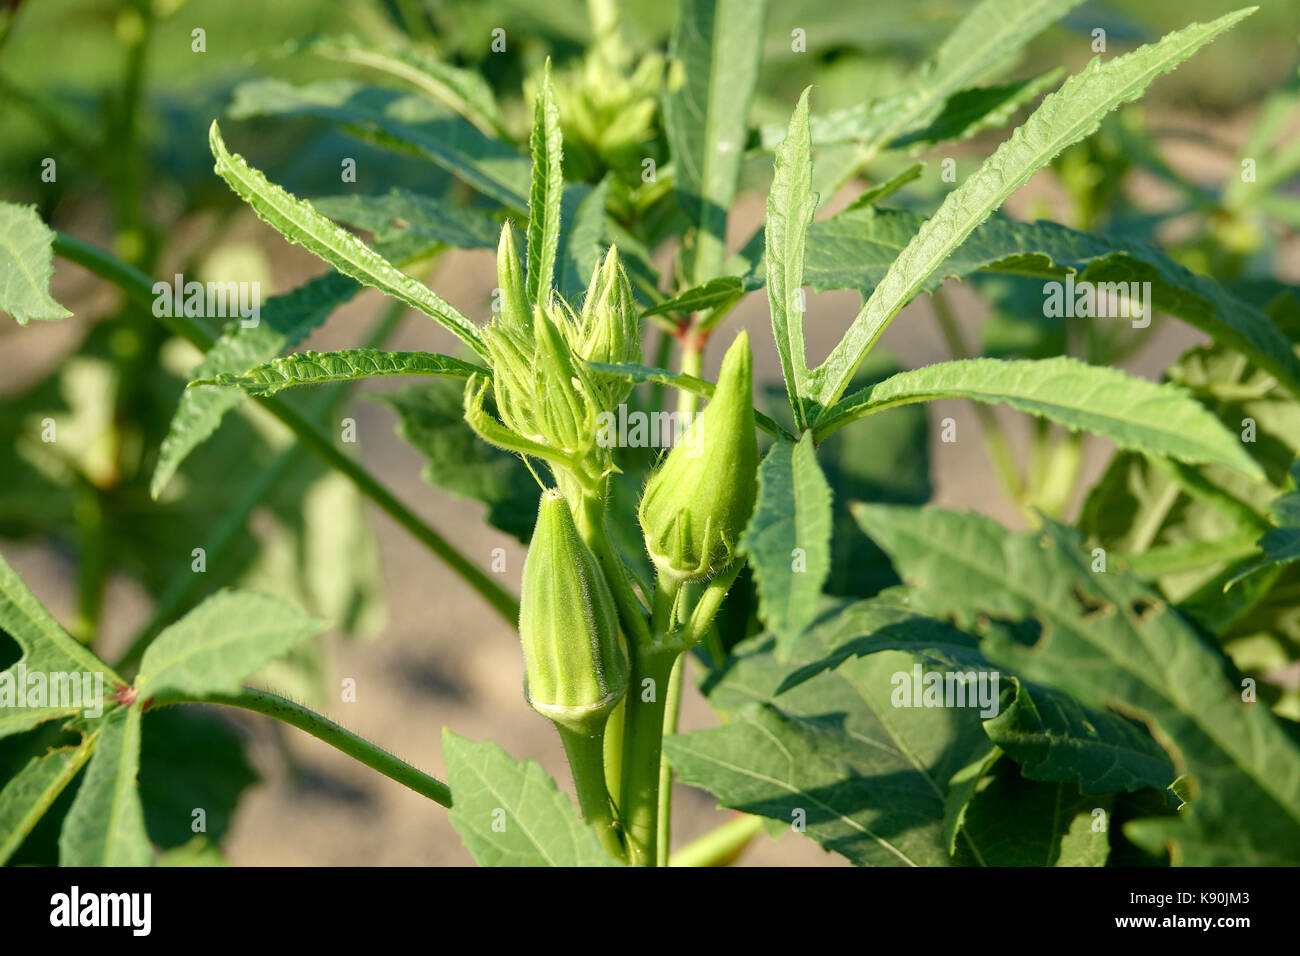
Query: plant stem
{"points": [[322, 728], [643, 733], [665, 811], [587, 762], [137, 285], [721, 846]]}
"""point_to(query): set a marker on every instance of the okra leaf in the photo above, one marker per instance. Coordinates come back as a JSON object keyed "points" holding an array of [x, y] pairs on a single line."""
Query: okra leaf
{"points": [[285, 321], [510, 812], [870, 197], [788, 539], [1054, 737], [862, 777], [790, 207], [1157, 419], [974, 110], [717, 293], [431, 419], [400, 121], [545, 196], [718, 45], [298, 222], [400, 212], [582, 234], [1281, 544], [1021, 822], [47, 650], [1109, 641], [344, 365], [855, 250], [222, 642], [30, 792], [105, 824], [1063, 118], [989, 35], [26, 265], [464, 91]]}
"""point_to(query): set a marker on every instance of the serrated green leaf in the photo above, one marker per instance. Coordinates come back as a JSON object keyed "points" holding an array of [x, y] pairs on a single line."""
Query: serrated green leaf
{"points": [[714, 294], [1054, 737], [511, 813], [401, 212], [545, 197], [790, 208], [788, 539], [717, 45], [432, 420], [285, 321], [344, 365], [989, 35], [1159, 419], [464, 91], [105, 825], [874, 194], [974, 110], [28, 794], [1107, 640], [401, 121], [855, 250], [582, 233], [1021, 822], [47, 650], [298, 222], [863, 778], [220, 643], [26, 265], [1062, 119]]}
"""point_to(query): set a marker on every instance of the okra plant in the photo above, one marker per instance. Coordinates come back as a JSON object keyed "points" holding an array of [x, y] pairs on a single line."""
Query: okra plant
{"points": [[903, 684]]}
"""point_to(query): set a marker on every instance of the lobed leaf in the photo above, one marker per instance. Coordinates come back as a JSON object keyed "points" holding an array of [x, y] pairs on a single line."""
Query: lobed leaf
{"points": [[298, 222], [26, 265], [344, 365], [718, 45], [216, 646], [1158, 419], [1062, 119], [510, 813], [788, 538]]}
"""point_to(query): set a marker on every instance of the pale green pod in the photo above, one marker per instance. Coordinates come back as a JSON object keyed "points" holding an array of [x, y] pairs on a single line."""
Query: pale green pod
{"points": [[575, 661], [697, 503]]}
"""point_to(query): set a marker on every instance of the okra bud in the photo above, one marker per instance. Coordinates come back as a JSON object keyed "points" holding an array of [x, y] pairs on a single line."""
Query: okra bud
{"points": [[696, 505], [609, 327], [576, 664]]}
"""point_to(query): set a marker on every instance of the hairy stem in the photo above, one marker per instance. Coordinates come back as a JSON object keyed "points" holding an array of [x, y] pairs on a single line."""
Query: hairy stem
{"points": [[322, 728], [643, 734], [665, 812], [587, 762]]}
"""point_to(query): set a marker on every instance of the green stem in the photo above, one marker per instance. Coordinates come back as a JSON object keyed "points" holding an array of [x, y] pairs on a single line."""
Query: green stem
{"points": [[665, 814], [137, 285], [590, 519], [721, 846], [322, 728], [643, 733], [587, 762]]}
